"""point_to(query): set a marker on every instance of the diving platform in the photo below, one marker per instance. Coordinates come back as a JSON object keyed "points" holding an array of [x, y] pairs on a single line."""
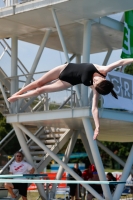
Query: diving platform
{"points": [[115, 126]]}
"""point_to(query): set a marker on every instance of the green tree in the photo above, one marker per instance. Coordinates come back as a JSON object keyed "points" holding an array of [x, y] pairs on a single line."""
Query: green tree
{"points": [[129, 69], [5, 128]]}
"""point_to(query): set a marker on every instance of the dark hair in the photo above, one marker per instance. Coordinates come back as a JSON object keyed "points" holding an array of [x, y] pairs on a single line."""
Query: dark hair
{"points": [[112, 176], [105, 87]]}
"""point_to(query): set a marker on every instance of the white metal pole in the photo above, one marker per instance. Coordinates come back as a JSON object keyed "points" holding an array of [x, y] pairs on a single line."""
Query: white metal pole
{"points": [[107, 57], [108, 151], [64, 48], [86, 58], [78, 60], [14, 56], [65, 160], [96, 156], [125, 175], [28, 156], [55, 157]]}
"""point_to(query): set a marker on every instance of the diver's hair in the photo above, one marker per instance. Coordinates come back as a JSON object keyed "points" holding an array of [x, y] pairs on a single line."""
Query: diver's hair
{"points": [[105, 87]]}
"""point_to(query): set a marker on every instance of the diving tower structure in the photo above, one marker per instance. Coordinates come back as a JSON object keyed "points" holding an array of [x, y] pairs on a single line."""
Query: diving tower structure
{"points": [[78, 28]]}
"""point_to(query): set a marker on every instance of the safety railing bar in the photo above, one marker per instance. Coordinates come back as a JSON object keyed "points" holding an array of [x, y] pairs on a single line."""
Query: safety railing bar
{"points": [[17, 59], [6, 136], [66, 100], [37, 105], [5, 97], [27, 104], [12, 77]]}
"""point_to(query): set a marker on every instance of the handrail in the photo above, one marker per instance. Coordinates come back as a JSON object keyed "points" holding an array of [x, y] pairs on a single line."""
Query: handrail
{"points": [[66, 100], [9, 3]]}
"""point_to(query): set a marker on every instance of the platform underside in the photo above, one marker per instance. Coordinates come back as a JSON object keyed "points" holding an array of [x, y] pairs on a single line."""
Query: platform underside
{"points": [[29, 22], [115, 126]]}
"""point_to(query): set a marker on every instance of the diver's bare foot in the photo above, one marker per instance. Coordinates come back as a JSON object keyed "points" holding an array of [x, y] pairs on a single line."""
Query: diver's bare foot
{"points": [[12, 98]]}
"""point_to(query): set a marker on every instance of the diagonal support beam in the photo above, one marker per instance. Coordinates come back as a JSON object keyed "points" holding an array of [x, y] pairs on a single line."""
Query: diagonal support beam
{"points": [[55, 157], [107, 57], [111, 23], [125, 175], [115, 157]]}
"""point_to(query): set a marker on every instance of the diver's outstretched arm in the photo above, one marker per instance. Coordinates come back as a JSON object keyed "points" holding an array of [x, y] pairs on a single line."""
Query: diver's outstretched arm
{"points": [[95, 112], [118, 63]]}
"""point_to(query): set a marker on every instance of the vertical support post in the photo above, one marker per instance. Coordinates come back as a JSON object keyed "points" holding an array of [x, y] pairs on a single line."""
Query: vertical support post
{"points": [[65, 160], [86, 58], [14, 56], [28, 156], [64, 48], [125, 175], [86, 121], [96, 156], [78, 60]]}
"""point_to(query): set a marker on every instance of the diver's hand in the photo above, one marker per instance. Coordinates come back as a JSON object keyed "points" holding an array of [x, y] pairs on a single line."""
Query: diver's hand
{"points": [[96, 132]]}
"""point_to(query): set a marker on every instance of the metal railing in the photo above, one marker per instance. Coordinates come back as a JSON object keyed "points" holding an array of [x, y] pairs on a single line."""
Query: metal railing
{"points": [[8, 3]]}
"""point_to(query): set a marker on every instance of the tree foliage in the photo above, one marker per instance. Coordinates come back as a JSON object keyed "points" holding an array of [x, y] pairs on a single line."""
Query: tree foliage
{"points": [[129, 69], [5, 128]]}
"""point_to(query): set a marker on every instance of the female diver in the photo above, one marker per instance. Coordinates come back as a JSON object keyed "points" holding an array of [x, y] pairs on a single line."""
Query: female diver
{"points": [[64, 76]]}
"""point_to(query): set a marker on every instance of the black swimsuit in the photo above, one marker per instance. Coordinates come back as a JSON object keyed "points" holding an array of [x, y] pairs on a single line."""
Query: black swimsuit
{"points": [[79, 73]]}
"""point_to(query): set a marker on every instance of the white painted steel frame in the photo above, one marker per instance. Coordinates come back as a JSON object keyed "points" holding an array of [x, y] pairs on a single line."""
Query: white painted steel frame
{"points": [[86, 122], [14, 69], [55, 157]]}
